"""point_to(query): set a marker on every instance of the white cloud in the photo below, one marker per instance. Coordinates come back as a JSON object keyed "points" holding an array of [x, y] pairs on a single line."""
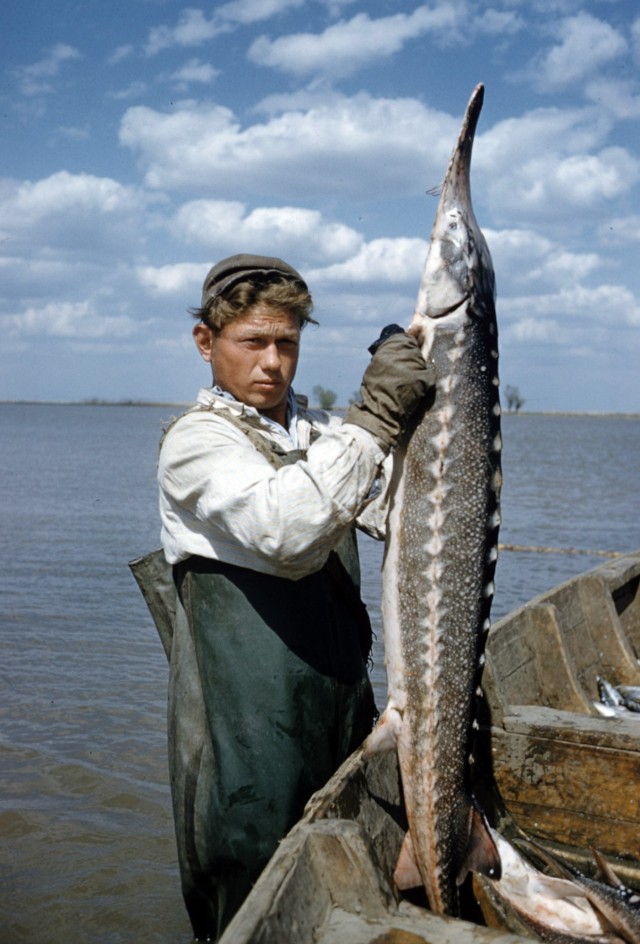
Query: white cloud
{"points": [[283, 230], [356, 146], [550, 162], [618, 98], [254, 11], [523, 257], [120, 53], [179, 279], [195, 71], [380, 260], [532, 329], [552, 184], [620, 231], [345, 47], [586, 44], [601, 308], [35, 79], [73, 217], [71, 320], [498, 22], [192, 29], [63, 192], [135, 89]]}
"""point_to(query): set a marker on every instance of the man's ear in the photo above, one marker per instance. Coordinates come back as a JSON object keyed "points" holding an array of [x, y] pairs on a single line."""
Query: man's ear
{"points": [[204, 338]]}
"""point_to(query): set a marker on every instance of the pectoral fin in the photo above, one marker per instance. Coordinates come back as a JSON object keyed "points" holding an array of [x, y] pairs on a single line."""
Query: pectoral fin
{"points": [[407, 874], [481, 854], [384, 736]]}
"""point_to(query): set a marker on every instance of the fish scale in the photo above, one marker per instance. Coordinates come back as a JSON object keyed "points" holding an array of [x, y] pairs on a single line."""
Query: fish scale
{"points": [[440, 552]]}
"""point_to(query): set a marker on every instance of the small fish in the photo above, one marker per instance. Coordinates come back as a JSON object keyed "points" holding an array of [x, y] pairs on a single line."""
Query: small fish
{"points": [[609, 695], [630, 696], [617, 701], [619, 904], [441, 551], [558, 910]]}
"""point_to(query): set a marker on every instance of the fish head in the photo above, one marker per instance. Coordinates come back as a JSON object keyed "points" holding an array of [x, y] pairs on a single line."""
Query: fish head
{"points": [[458, 268]]}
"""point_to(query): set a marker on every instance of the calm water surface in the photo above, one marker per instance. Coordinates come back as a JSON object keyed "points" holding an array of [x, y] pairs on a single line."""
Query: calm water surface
{"points": [[86, 834]]}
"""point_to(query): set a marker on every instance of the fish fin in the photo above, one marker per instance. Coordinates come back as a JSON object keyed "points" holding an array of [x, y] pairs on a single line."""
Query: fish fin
{"points": [[605, 872], [481, 854], [384, 735], [407, 874]]}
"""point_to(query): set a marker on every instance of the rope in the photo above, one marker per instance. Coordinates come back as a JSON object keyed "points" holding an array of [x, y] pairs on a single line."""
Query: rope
{"points": [[558, 550]]}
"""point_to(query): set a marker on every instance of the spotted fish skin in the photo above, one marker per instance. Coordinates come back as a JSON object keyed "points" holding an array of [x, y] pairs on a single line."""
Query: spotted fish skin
{"points": [[442, 537]]}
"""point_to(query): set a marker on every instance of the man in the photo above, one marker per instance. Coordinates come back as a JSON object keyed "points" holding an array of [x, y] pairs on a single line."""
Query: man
{"points": [[268, 689]]}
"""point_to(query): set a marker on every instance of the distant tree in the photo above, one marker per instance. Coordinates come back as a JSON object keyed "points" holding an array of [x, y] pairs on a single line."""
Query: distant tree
{"points": [[355, 397], [326, 398], [514, 401]]}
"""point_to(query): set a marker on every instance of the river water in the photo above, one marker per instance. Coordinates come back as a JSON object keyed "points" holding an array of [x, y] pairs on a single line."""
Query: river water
{"points": [[86, 834]]}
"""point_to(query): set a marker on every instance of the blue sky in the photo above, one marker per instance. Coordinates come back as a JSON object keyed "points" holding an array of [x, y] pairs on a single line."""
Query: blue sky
{"points": [[143, 141]]}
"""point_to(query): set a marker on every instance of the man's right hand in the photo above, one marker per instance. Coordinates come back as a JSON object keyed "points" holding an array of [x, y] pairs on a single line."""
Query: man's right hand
{"points": [[395, 384]]}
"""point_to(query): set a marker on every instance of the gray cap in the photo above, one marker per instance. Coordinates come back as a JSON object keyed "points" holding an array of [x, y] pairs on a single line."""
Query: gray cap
{"points": [[236, 269]]}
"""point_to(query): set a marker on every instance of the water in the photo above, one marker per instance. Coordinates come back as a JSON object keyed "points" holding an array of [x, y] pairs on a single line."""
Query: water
{"points": [[86, 833]]}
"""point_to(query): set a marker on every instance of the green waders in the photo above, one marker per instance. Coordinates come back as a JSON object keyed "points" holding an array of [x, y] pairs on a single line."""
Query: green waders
{"points": [[268, 694]]}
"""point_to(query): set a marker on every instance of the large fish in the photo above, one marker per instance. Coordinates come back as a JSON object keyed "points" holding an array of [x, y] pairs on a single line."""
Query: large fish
{"points": [[441, 551]]}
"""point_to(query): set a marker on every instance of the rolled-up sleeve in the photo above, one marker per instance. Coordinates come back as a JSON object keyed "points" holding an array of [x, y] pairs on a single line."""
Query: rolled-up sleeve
{"points": [[220, 498]]}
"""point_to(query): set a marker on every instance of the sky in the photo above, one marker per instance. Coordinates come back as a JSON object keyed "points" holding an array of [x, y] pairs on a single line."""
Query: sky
{"points": [[142, 141]]}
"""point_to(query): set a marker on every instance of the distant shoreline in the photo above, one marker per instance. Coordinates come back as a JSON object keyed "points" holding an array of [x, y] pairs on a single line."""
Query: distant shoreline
{"points": [[338, 409]]}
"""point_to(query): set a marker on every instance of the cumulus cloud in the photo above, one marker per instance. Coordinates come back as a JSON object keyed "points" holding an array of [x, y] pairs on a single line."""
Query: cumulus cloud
{"points": [[605, 306], [531, 258], [62, 201], [345, 47], [586, 44], [71, 320], [182, 278], [357, 146], [63, 192], [552, 184], [303, 233], [380, 260], [551, 161]]}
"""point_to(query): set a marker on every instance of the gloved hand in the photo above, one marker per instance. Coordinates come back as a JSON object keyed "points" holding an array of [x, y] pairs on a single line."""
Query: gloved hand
{"points": [[396, 382]]}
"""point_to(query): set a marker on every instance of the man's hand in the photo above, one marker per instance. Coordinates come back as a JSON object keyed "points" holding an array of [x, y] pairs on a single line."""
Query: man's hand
{"points": [[395, 384]]}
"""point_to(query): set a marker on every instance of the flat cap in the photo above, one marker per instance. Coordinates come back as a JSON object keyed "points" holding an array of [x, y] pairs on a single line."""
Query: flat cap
{"points": [[236, 269]]}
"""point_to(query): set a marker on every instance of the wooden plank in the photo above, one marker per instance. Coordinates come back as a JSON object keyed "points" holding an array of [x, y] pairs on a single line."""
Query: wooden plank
{"points": [[617, 734], [559, 783], [527, 664]]}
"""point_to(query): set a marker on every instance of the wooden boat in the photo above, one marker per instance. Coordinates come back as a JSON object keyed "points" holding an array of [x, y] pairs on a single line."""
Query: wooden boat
{"points": [[560, 771]]}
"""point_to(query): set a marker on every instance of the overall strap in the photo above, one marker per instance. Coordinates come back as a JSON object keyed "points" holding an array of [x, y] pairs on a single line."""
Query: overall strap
{"points": [[272, 452], [154, 575]]}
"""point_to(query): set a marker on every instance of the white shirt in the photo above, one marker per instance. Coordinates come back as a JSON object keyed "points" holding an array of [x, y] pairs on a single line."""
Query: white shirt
{"points": [[220, 498]]}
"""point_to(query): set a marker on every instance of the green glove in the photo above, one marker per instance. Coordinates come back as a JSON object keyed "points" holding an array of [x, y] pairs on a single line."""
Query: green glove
{"points": [[395, 384]]}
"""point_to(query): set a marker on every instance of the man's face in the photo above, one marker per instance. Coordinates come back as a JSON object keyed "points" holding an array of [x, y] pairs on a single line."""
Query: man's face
{"points": [[255, 357]]}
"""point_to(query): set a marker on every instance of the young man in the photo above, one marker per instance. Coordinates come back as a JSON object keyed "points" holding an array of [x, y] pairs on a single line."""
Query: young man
{"points": [[268, 689]]}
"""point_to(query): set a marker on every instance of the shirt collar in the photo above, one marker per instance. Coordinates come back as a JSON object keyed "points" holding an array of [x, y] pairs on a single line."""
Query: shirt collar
{"points": [[291, 429]]}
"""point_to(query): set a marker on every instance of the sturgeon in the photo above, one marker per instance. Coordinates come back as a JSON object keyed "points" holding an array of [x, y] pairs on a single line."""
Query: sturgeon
{"points": [[441, 550]]}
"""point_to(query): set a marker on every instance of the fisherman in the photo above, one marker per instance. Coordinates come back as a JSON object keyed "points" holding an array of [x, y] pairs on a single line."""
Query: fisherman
{"points": [[268, 685]]}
